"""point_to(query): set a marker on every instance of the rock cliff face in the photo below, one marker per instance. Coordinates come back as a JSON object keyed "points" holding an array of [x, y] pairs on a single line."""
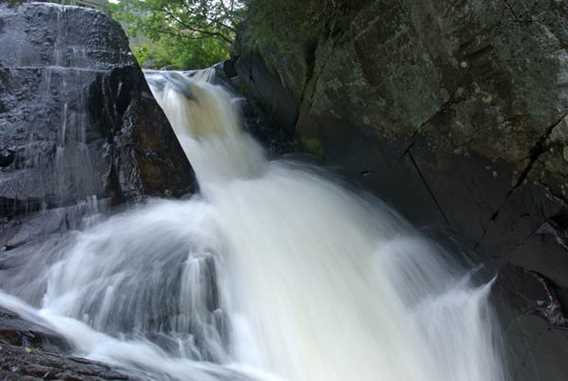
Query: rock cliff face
{"points": [[456, 114], [79, 132]]}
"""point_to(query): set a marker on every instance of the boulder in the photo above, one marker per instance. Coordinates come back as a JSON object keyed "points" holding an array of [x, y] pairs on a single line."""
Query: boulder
{"points": [[18, 332], [25, 364], [78, 123], [31, 352], [79, 128]]}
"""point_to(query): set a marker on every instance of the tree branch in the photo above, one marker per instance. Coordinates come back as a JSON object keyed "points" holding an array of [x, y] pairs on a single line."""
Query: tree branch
{"points": [[202, 31]]}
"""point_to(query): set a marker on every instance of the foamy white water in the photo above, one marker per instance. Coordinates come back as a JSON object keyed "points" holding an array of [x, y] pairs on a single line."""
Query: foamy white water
{"points": [[273, 272]]}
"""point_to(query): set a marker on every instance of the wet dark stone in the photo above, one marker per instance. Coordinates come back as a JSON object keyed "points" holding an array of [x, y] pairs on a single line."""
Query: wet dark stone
{"points": [[272, 124], [28, 364], [78, 117], [18, 332], [278, 105], [229, 69], [29, 351], [6, 157]]}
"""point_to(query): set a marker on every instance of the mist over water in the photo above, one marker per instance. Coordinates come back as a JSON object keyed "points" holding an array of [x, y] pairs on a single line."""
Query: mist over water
{"points": [[272, 272]]}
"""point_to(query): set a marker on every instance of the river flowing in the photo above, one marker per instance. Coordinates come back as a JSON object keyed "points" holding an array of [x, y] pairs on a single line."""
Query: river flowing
{"points": [[274, 271]]}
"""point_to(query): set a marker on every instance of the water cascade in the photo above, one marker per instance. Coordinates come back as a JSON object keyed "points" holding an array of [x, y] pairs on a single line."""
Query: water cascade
{"points": [[273, 272]]}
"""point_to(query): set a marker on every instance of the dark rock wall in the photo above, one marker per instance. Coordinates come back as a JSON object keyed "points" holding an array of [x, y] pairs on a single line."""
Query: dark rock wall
{"points": [[455, 113]]}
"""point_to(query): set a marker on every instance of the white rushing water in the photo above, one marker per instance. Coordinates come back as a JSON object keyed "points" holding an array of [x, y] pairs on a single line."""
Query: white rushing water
{"points": [[272, 272]]}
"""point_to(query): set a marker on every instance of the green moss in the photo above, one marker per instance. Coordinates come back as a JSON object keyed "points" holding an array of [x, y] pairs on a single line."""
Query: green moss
{"points": [[313, 146]]}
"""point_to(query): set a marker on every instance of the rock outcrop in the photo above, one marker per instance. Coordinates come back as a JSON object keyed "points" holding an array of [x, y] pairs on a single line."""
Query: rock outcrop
{"points": [[456, 114], [31, 352], [24, 364], [79, 133], [77, 120], [79, 128], [259, 119]]}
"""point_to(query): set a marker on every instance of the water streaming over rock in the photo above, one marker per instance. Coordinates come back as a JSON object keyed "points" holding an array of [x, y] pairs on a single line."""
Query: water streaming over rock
{"points": [[272, 272]]}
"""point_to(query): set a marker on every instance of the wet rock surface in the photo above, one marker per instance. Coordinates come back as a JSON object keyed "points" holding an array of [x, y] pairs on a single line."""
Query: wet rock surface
{"points": [[25, 364], [18, 332], [32, 352], [273, 123], [79, 128], [80, 135], [78, 122], [455, 113]]}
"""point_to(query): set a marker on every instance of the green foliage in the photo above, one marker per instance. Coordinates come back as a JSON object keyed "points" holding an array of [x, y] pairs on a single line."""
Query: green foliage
{"points": [[171, 53], [182, 34]]}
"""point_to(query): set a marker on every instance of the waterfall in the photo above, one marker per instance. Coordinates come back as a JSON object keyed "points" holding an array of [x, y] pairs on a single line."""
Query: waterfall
{"points": [[275, 271]]}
